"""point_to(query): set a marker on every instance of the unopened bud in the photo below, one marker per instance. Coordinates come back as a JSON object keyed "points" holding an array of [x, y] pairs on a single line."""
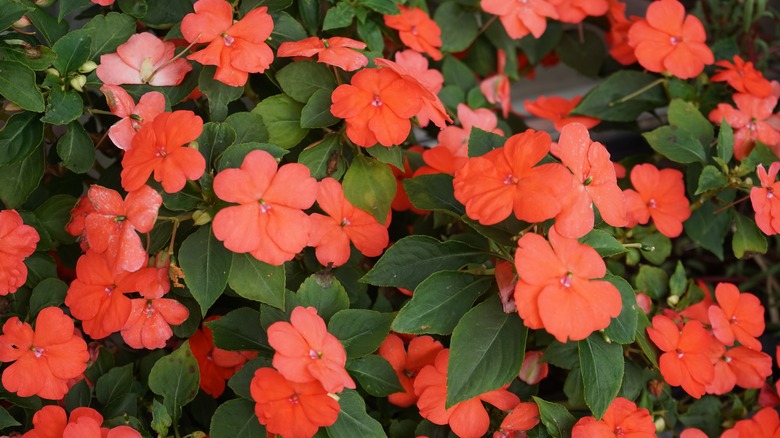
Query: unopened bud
{"points": [[201, 218], [87, 67], [11, 107], [53, 72], [194, 145], [648, 248], [78, 82], [22, 23], [660, 424], [44, 3], [672, 300], [198, 434]]}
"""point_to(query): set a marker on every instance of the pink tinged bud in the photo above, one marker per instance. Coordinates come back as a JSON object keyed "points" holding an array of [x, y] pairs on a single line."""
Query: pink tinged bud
{"points": [[533, 370]]}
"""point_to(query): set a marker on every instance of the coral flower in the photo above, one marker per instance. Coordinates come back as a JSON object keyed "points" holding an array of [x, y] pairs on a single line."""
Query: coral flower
{"points": [[237, 49], [737, 316], [143, 59], [524, 417], [452, 152], [344, 223], [407, 363], [558, 290], [43, 359], [740, 366], [98, 297], [161, 147], [377, 106], [506, 180], [417, 30], [291, 409], [269, 223], [594, 182], [557, 109], [17, 242], [150, 321], [216, 365], [497, 88], [306, 352], [660, 195], [622, 418], [467, 419], [752, 121], [336, 51], [133, 116], [764, 424], [669, 40], [617, 40], [574, 11], [112, 224], [743, 77], [765, 202], [685, 361], [52, 422], [521, 17]]}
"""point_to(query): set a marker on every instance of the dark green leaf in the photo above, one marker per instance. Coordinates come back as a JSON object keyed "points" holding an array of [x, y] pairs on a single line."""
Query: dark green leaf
{"points": [[20, 136], [678, 282], [234, 155], [562, 355], [455, 72], [555, 418], [6, 420], [257, 281], [69, 6], [605, 100], [685, 115], [113, 384], [433, 192], [108, 31], [324, 159], [167, 13], [602, 372], [725, 146], [414, 258], [705, 414], [711, 178], [300, 80], [648, 348], [78, 396], [36, 57], [248, 126], [17, 84], [622, 329], [236, 419], [370, 32], [339, 16], [136, 8], [176, 377], [39, 267], [583, 51], [353, 421], [215, 138], [392, 155], [238, 330], [537, 48], [242, 378], [676, 144], [482, 142], [708, 229], [323, 292], [748, 238], [316, 113], [49, 27], [72, 51], [653, 281], [18, 180], [439, 302], [76, 149], [161, 420], [375, 375], [486, 351], [370, 186], [361, 331], [11, 11], [384, 7], [63, 107], [206, 264], [286, 29], [309, 10], [458, 25], [219, 94], [272, 5], [282, 117], [604, 243], [48, 293]]}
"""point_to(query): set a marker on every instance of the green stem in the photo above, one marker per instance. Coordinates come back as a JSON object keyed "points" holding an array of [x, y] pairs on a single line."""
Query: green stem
{"points": [[636, 93]]}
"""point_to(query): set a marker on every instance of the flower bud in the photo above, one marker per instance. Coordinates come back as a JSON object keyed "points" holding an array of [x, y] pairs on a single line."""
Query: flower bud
{"points": [[53, 72], [672, 300], [11, 107], [44, 3], [78, 82], [87, 67], [21, 23], [660, 424], [201, 218]]}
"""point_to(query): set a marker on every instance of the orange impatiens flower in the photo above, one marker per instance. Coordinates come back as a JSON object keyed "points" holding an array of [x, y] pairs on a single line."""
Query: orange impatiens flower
{"points": [[133, 116], [143, 59], [622, 418], [407, 363], [44, 359], [269, 223], [521, 17], [574, 11], [765, 199], [291, 409], [594, 183], [506, 180], [497, 88], [558, 110], [740, 366], [764, 424], [413, 67], [558, 288], [752, 121], [669, 40], [467, 419], [162, 147], [417, 30], [344, 224], [737, 316], [150, 321], [52, 422], [216, 365], [377, 106], [17, 242], [236, 48], [306, 352], [110, 227], [336, 51], [685, 361], [524, 417], [660, 195], [743, 77]]}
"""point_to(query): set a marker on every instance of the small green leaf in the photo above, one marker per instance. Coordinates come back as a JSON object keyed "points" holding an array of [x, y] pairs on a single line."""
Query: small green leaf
{"points": [[6, 420], [361, 331], [708, 229], [76, 149], [215, 138], [622, 329], [236, 419], [48, 293], [392, 155], [339, 16], [685, 115], [486, 351], [69, 6], [18, 181], [414, 258], [257, 281], [653, 281], [324, 159], [601, 364], [555, 418], [239, 330], [748, 238], [725, 146], [439, 302], [482, 142], [605, 101], [249, 127], [316, 113], [72, 51], [676, 144], [300, 80], [282, 117], [678, 282], [323, 292], [711, 178], [20, 136], [63, 107], [113, 384], [458, 25], [648, 348], [375, 375], [78, 396], [175, 377], [353, 421], [206, 264], [161, 420], [17, 84], [219, 94], [433, 192], [370, 186], [604, 243]]}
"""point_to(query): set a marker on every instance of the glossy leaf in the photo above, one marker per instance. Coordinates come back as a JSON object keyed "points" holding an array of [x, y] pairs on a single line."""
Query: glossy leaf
{"points": [[206, 264], [601, 364], [360, 331], [175, 377], [370, 186], [17, 84]]}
